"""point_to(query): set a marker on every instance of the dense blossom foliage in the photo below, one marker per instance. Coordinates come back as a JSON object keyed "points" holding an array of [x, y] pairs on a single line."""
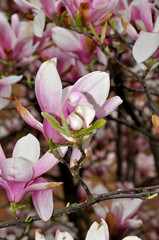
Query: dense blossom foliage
{"points": [[79, 84]]}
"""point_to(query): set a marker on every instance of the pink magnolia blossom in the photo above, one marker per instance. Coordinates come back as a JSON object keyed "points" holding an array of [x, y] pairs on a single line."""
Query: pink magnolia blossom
{"points": [[90, 11], [147, 43], [87, 97], [120, 215], [39, 9], [16, 41], [5, 89], [96, 231], [19, 175]]}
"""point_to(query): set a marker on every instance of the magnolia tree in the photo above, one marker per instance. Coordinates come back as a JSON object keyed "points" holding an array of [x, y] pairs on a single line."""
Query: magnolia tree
{"points": [[79, 119]]}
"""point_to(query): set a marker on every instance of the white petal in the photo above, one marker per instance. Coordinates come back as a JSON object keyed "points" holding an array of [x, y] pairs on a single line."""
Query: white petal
{"points": [[39, 24], [145, 46], [63, 235], [27, 148]]}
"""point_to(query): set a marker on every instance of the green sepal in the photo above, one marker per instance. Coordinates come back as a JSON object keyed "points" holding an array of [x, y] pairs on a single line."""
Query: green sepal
{"points": [[103, 33], [65, 125], [98, 124], [54, 122], [14, 207], [79, 20], [94, 31]]}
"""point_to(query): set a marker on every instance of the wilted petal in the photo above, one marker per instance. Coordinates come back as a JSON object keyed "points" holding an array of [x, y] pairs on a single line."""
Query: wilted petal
{"points": [[48, 88], [17, 170], [108, 107], [39, 184], [44, 164], [39, 235], [28, 118], [145, 46], [60, 235], [27, 148], [39, 24], [98, 231]]}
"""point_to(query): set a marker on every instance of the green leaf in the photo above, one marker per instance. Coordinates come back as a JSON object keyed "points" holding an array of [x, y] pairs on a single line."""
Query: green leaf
{"points": [[98, 124], [94, 31], [72, 23], [79, 20], [54, 122]]}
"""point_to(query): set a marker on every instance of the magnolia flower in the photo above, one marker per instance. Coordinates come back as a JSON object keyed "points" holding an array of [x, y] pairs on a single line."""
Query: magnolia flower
{"points": [[90, 11], [39, 8], [16, 42], [5, 89], [147, 43], [19, 175], [120, 215], [79, 103], [96, 231]]}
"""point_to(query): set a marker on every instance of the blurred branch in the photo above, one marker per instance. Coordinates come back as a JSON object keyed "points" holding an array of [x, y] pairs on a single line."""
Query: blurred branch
{"points": [[128, 193]]}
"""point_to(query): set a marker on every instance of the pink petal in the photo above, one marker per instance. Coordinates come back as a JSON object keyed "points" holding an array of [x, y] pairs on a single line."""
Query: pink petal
{"points": [[43, 202], [146, 16], [27, 148], [6, 36], [28, 118], [145, 46], [44, 164], [26, 5], [61, 235], [7, 190], [39, 184], [48, 7], [95, 86], [109, 106], [15, 24], [16, 170], [48, 88]]}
